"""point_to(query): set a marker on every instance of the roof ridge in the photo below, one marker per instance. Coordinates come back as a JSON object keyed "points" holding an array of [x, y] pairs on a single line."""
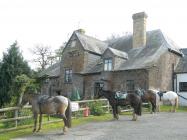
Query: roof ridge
{"points": [[90, 37], [171, 44]]}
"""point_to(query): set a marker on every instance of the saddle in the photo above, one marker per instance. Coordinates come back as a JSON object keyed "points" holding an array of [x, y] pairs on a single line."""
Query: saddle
{"points": [[43, 99], [120, 95], [160, 93]]}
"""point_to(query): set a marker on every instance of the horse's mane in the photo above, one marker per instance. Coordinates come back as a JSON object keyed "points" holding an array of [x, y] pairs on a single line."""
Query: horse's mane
{"points": [[112, 93], [154, 90]]}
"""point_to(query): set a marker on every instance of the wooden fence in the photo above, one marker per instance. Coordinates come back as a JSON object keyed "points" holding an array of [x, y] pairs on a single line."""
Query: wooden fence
{"points": [[17, 118]]}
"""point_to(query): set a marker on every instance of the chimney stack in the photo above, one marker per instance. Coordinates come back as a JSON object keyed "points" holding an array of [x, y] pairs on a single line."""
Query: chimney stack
{"points": [[81, 31], [139, 29]]}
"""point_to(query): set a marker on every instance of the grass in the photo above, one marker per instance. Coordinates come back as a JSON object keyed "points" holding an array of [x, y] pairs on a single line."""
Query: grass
{"points": [[167, 108], [75, 122], [52, 126]]}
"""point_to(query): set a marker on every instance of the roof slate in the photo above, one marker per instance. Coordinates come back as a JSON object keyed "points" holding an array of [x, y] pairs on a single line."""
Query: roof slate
{"points": [[91, 44], [140, 58], [52, 71], [118, 53]]}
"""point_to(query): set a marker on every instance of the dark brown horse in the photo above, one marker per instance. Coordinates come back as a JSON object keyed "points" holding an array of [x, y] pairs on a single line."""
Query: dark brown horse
{"points": [[44, 104], [148, 96], [131, 99]]}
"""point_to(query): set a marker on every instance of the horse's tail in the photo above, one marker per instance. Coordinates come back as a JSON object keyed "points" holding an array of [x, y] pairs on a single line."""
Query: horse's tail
{"points": [[68, 113], [176, 102], [139, 108]]}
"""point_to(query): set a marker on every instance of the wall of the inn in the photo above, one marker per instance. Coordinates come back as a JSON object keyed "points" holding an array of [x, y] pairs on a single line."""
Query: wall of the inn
{"points": [[138, 77], [50, 86], [161, 74], [115, 81]]}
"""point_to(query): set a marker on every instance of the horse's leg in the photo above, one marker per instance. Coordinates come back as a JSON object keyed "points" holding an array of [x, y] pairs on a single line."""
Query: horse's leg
{"points": [[134, 116], [65, 129], [158, 107], [114, 111], [173, 106], [153, 107], [40, 123], [117, 113], [35, 121], [171, 103]]}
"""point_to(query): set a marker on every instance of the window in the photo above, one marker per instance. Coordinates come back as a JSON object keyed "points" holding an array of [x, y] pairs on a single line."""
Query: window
{"points": [[68, 75], [73, 43], [182, 86], [130, 85], [74, 53], [108, 64]]}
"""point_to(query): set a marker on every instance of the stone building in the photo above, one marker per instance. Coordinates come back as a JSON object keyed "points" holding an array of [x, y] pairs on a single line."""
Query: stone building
{"points": [[145, 59]]}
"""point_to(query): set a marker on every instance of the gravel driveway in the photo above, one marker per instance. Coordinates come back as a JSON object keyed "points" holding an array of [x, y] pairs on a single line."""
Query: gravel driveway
{"points": [[161, 126]]}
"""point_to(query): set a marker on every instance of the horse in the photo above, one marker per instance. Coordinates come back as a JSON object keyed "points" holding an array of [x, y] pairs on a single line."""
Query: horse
{"points": [[170, 96], [148, 96], [154, 91], [44, 104], [131, 99]]}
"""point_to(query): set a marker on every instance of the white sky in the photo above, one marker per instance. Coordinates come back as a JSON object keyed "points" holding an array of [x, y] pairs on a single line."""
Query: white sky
{"points": [[51, 22]]}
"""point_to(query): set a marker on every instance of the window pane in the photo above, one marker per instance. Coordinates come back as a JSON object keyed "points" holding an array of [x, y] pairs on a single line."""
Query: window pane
{"points": [[68, 75], [183, 86], [105, 66], [108, 64]]}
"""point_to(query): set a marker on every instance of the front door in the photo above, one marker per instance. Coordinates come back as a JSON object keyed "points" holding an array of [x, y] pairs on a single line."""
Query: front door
{"points": [[96, 88]]}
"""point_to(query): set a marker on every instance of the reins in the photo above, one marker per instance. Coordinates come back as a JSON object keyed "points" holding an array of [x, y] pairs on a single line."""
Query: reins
{"points": [[182, 96]]}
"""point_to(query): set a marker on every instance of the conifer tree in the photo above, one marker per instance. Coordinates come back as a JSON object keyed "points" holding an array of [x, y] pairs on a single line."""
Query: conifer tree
{"points": [[12, 65]]}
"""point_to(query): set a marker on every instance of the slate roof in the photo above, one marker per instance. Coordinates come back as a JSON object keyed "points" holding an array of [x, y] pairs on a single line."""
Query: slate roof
{"points": [[91, 44], [52, 71], [157, 44], [118, 53], [140, 58], [182, 65]]}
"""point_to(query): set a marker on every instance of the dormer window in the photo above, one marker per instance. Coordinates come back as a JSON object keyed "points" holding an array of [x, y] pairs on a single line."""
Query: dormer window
{"points": [[108, 64]]}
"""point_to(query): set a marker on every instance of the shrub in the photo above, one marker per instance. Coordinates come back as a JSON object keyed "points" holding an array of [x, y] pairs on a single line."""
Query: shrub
{"points": [[96, 108]]}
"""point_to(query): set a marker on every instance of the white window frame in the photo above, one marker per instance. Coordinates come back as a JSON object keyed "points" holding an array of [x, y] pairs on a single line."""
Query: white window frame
{"points": [[108, 64]]}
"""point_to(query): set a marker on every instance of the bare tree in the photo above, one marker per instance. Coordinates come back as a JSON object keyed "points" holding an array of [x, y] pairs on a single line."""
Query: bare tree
{"points": [[43, 56], [59, 51]]}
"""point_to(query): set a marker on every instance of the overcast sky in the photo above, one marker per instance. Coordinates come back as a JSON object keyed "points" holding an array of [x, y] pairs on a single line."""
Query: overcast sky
{"points": [[51, 22]]}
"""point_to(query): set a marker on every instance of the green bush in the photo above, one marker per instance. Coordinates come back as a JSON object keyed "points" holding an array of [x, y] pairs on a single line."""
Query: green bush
{"points": [[96, 108]]}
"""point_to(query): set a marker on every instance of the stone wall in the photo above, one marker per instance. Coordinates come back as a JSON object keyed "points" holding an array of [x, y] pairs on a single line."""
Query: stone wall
{"points": [[160, 76]]}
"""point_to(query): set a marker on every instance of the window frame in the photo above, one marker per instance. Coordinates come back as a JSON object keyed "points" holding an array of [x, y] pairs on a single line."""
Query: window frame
{"points": [[183, 86], [130, 85], [68, 75], [108, 66]]}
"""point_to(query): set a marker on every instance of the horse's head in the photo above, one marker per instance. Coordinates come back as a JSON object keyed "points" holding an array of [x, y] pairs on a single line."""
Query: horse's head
{"points": [[140, 92], [24, 100]]}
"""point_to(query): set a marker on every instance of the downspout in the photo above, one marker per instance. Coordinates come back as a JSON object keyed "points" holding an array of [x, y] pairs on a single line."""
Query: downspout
{"points": [[173, 77], [176, 84]]}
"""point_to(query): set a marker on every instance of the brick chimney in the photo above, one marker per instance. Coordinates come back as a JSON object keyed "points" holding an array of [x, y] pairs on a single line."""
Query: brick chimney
{"points": [[82, 31], [139, 29]]}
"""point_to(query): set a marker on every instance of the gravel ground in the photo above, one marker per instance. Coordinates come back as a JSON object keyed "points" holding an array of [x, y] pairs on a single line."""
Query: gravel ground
{"points": [[161, 126]]}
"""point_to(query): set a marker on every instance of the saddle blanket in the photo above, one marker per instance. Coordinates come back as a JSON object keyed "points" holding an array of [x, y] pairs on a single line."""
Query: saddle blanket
{"points": [[120, 95]]}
